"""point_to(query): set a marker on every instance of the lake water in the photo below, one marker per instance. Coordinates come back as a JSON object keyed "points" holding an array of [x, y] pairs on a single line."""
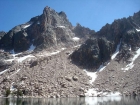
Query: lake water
{"points": [[72, 101]]}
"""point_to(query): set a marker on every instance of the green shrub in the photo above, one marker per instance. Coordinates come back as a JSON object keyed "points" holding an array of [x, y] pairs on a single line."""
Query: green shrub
{"points": [[7, 92], [19, 93]]}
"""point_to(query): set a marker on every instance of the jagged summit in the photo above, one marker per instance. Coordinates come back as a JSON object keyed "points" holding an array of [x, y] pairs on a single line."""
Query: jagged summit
{"points": [[44, 31]]}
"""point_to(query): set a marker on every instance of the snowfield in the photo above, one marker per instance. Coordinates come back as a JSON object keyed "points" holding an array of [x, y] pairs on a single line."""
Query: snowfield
{"points": [[116, 52]]}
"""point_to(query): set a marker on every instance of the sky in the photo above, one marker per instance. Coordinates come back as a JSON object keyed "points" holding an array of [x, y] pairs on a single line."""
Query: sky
{"points": [[89, 13]]}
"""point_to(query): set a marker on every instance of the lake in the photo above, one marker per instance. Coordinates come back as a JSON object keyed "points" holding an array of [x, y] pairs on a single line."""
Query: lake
{"points": [[72, 101]]}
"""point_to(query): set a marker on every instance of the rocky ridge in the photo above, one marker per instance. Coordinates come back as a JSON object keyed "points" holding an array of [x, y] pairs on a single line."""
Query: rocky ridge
{"points": [[98, 49], [51, 29]]}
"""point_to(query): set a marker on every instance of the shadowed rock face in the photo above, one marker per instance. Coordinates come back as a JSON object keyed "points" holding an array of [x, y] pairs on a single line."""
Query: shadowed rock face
{"points": [[88, 54], [123, 31], [93, 53], [44, 31], [2, 33], [16, 38]]}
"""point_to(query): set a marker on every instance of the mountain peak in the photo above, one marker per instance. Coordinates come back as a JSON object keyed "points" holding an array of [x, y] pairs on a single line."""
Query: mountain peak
{"points": [[44, 31], [47, 10]]}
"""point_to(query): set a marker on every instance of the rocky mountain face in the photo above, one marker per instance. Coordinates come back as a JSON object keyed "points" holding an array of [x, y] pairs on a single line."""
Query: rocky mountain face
{"points": [[48, 57], [44, 31], [123, 33]]}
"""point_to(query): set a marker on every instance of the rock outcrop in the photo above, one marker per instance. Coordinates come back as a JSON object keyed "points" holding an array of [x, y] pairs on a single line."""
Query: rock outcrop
{"points": [[81, 31]]}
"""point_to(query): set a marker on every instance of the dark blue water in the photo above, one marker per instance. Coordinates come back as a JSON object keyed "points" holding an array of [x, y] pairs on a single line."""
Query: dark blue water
{"points": [[72, 101]]}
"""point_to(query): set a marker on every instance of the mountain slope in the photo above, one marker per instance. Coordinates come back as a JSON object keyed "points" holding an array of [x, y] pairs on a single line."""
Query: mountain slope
{"points": [[113, 55]]}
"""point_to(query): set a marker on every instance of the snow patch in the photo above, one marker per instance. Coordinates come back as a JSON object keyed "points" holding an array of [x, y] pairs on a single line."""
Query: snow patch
{"points": [[131, 65], [94, 93], [19, 59], [111, 94], [138, 30], [93, 75], [116, 52], [26, 26], [12, 51], [50, 54], [91, 93], [61, 26], [32, 47], [102, 67], [11, 87], [136, 56], [4, 71], [130, 48], [54, 53], [77, 46], [76, 38], [38, 22], [9, 60], [14, 58], [63, 49], [25, 57]]}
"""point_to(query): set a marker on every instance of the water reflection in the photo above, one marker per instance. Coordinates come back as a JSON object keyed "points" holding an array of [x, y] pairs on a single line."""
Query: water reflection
{"points": [[72, 101]]}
